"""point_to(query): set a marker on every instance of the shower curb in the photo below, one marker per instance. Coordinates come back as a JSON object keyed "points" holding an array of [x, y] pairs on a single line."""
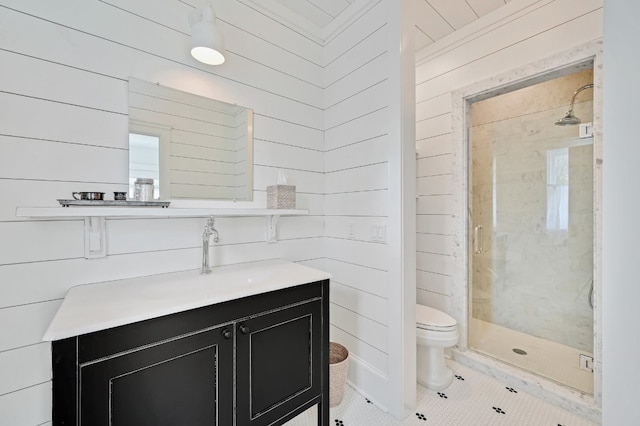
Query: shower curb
{"points": [[576, 402]]}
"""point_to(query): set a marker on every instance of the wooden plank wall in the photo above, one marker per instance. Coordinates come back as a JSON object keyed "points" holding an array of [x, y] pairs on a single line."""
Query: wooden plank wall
{"points": [[356, 186], [63, 128], [494, 44]]}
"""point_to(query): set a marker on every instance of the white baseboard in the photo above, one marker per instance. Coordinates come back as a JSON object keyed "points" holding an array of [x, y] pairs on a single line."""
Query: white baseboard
{"points": [[362, 376]]}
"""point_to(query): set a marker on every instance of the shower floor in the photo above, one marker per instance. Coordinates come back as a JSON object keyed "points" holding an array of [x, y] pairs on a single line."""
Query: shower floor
{"points": [[552, 360]]}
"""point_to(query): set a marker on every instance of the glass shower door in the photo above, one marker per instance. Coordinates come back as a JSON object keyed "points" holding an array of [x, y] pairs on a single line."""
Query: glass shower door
{"points": [[531, 205]]}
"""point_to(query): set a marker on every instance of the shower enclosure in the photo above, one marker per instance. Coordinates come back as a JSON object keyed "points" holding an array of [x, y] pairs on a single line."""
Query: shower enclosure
{"points": [[531, 229]]}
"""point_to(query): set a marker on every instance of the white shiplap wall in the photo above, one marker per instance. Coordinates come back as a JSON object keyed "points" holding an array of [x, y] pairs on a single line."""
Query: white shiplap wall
{"points": [[63, 128], [357, 192], [367, 142], [369, 200], [520, 33]]}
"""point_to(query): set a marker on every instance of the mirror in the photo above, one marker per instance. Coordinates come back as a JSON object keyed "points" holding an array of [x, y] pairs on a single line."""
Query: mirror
{"points": [[193, 147]]}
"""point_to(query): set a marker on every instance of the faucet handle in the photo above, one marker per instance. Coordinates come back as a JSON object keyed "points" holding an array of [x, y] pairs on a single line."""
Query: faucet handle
{"points": [[210, 228]]}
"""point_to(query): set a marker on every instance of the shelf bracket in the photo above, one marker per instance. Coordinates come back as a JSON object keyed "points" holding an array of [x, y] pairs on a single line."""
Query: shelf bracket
{"points": [[272, 228], [95, 237]]}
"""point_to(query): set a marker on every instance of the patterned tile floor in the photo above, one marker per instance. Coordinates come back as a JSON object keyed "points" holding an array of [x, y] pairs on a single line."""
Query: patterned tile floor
{"points": [[473, 399]]}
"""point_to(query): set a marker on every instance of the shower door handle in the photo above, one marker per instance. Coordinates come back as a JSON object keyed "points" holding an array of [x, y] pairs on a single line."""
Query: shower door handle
{"points": [[478, 246]]}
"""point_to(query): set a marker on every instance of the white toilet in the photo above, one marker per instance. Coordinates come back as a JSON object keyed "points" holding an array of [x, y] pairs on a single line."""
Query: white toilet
{"points": [[435, 332]]}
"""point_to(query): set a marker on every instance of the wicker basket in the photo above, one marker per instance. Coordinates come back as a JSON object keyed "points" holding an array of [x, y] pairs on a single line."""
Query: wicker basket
{"points": [[338, 368], [281, 197]]}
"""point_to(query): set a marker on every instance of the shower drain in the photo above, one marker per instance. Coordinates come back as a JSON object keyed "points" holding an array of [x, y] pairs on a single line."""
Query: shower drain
{"points": [[519, 351]]}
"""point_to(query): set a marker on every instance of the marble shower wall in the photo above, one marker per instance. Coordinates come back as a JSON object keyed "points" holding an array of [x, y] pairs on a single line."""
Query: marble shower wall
{"points": [[532, 192]]}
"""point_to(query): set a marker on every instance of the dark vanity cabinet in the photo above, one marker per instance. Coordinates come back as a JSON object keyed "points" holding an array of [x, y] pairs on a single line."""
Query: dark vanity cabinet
{"points": [[276, 364], [259, 360]]}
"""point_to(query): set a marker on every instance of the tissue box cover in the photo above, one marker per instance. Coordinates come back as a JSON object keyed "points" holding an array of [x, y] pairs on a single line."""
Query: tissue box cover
{"points": [[281, 197]]}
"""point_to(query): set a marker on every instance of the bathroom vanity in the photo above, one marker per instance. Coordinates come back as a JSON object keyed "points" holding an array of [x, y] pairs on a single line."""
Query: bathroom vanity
{"points": [[244, 345]]}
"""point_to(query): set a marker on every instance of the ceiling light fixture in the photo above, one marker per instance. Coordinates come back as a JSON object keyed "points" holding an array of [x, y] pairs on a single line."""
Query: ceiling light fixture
{"points": [[207, 41]]}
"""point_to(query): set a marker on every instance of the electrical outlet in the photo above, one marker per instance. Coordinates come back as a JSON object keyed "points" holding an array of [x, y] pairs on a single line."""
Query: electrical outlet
{"points": [[586, 130], [378, 233], [586, 362]]}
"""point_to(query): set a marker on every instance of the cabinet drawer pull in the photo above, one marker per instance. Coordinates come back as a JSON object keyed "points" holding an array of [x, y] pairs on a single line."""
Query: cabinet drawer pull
{"points": [[226, 333], [244, 329]]}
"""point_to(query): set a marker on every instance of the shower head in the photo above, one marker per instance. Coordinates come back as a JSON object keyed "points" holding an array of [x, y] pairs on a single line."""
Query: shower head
{"points": [[569, 118]]}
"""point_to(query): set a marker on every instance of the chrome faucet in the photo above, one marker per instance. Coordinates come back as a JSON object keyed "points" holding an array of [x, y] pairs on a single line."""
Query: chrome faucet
{"points": [[209, 230]]}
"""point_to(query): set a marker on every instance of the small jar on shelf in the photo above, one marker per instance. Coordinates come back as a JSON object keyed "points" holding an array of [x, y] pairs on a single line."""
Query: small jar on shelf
{"points": [[143, 189]]}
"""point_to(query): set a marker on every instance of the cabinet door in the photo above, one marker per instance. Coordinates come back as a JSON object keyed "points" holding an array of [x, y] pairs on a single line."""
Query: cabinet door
{"points": [[187, 381], [278, 363]]}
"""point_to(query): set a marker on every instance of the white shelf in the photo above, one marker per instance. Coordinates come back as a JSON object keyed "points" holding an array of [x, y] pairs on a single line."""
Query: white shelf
{"points": [[149, 212], [95, 219]]}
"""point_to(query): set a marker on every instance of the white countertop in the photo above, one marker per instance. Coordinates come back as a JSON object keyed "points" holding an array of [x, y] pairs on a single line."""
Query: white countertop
{"points": [[94, 307]]}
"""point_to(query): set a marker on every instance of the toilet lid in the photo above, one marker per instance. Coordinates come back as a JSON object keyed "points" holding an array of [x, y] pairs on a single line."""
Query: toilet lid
{"points": [[433, 319]]}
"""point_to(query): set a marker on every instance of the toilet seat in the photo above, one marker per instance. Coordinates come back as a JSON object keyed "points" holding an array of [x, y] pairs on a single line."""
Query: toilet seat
{"points": [[428, 318]]}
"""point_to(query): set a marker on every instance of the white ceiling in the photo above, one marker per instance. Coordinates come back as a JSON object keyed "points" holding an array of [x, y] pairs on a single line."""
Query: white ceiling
{"points": [[320, 18], [320, 12], [439, 18]]}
